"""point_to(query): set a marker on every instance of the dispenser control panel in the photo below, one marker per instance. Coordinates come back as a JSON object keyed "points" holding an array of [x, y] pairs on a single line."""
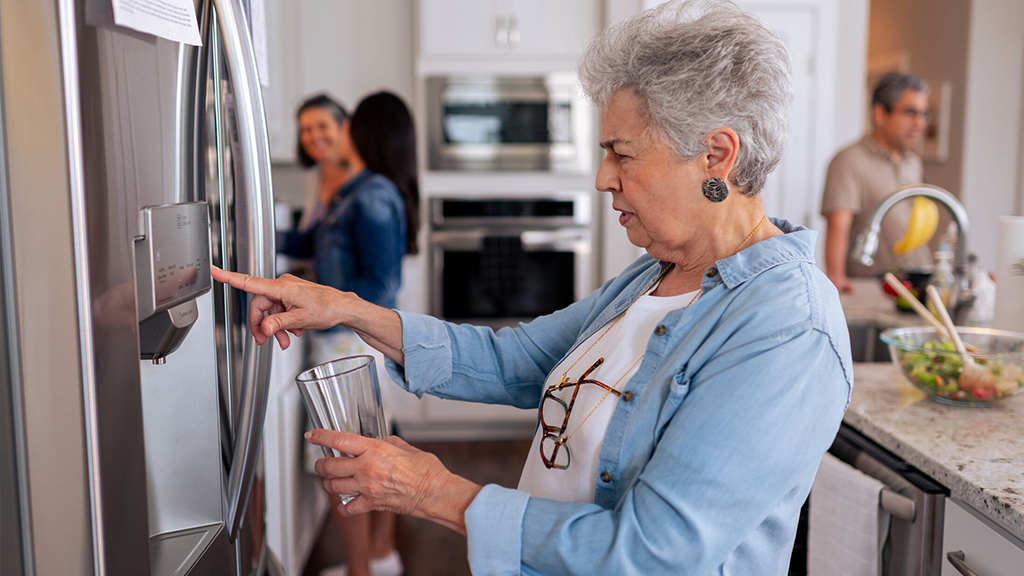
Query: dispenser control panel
{"points": [[172, 256]]}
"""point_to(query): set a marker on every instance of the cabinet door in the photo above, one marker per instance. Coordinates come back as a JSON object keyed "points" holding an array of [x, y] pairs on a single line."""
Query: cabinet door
{"points": [[552, 27], [463, 27], [987, 549], [508, 28]]}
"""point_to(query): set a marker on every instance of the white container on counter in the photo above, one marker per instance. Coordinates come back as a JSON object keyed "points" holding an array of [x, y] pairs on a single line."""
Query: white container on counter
{"points": [[1010, 274]]}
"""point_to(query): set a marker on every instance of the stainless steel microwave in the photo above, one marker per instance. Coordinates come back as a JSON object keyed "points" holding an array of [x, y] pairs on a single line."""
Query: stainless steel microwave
{"points": [[508, 123]]}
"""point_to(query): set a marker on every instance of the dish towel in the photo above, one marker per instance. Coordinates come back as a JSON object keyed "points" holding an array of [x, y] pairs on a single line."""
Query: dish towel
{"points": [[847, 528]]}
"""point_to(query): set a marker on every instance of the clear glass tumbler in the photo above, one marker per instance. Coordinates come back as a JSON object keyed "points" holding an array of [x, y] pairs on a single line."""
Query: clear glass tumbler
{"points": [[344, 395]]}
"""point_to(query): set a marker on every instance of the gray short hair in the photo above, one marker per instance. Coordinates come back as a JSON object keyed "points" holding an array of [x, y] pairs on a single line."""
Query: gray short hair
{"points": [[891, 87], [699, 65]]}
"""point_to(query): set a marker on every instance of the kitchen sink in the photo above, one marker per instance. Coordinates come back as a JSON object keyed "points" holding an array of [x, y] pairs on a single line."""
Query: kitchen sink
{"points": [[865, 345]]}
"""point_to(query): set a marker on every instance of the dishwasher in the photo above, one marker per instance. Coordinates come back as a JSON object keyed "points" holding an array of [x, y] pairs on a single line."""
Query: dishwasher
{"points": [[915, 501]]}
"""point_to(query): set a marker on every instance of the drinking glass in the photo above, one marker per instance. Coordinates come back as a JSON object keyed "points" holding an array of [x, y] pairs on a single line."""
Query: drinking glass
{"points": [[344, 395]]}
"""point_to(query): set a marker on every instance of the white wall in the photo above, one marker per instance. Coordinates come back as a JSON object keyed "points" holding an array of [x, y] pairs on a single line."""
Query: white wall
{"points": [[993, 161], [344, 47], [851, 66]]}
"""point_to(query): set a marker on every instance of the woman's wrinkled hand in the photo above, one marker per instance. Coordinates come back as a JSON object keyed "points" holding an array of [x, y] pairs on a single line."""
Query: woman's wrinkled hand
{"points": [[287, 304], [393, 476]]}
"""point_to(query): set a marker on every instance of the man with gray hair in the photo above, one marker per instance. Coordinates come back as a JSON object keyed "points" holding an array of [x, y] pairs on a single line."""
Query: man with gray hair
{"points": [[864, 174]]}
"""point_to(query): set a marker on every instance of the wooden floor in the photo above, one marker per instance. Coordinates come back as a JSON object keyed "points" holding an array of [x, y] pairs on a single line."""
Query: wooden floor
{"points": [[426, 548]]}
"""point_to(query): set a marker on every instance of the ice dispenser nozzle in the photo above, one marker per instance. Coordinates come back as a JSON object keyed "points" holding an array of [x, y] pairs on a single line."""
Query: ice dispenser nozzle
{"points": [[172, 269]]}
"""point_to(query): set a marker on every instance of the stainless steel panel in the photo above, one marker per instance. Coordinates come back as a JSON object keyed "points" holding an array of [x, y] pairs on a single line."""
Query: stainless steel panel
{"points": [[132, 119], [42, 257], [179, 553], [15, 528], [582, 212]]}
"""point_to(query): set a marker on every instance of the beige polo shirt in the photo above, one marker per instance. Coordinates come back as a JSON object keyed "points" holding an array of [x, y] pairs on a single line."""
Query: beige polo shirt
{"points": [[859, 178]]}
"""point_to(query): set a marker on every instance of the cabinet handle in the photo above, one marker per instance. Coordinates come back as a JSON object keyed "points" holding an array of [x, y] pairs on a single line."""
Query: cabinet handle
{"points": [[958, 560], [513, 32], [501, 32]]}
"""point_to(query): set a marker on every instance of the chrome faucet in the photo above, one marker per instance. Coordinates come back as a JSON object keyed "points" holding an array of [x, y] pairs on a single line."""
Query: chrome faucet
{"points": [[864, 248]]}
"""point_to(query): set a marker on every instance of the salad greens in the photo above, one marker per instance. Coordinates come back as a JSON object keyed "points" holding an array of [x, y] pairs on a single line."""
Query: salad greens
{"points": [[937, 368]]}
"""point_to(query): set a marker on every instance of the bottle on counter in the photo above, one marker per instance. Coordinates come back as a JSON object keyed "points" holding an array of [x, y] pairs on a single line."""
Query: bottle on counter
{"points": [[943, 278], [983, 292]]}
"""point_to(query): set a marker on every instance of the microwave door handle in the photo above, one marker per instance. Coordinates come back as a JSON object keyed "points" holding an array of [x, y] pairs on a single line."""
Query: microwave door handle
{"points": [[255, 161]]}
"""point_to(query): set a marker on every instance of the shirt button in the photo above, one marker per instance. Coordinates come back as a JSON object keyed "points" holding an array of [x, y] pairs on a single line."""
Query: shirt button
{"points": [[660, 330], [606, 476], [627, 396], [712, 272]]}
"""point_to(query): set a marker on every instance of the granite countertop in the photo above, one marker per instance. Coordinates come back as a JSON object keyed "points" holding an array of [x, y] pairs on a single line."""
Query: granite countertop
{"points": [[978, 453]]}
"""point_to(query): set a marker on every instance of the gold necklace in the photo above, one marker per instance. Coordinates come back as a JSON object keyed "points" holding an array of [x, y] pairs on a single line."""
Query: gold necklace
{"points": [[565, 379], [751, 235]]}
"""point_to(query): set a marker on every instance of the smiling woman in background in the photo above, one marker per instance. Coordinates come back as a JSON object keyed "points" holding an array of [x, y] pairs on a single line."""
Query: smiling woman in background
{"points": [[320, 120], [685, 405]]}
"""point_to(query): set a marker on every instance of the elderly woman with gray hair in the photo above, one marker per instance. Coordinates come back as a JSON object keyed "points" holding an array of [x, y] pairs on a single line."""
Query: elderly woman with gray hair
{"points": [[685, 405]]}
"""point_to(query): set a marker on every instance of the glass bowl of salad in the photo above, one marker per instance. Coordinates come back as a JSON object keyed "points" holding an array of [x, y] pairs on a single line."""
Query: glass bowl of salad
{"points": [[934, 366]]}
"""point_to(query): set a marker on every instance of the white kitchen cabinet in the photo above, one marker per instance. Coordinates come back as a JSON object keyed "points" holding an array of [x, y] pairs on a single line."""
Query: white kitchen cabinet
{"points": [[296, 502], [507, 28], [988, 549]]}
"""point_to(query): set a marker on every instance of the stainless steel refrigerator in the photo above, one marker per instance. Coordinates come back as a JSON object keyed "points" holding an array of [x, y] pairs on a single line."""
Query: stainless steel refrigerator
{"points": [[133, 397]]}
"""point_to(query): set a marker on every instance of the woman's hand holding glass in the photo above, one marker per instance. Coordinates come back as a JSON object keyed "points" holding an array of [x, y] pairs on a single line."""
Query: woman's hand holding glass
{"points": [[393, 476]]}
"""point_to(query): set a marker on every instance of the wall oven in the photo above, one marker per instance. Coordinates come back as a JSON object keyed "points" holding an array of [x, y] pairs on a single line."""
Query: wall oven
{"points": [[497, 262], [508, 123]]}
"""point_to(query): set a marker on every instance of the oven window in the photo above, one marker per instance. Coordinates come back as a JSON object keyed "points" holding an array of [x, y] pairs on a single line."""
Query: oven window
{"points": [[501, 283], [507, 122]]}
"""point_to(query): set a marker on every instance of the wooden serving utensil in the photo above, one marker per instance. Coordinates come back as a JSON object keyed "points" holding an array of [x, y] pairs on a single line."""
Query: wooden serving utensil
{"points": [[923, 312], [972, 375]]}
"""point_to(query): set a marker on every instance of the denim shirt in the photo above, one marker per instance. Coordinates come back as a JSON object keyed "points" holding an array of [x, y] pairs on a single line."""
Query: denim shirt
{"points": [[704, 469], [359, 244]]}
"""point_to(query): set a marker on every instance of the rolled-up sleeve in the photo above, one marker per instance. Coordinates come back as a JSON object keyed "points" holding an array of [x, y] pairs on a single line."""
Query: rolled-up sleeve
{"points": [[428, 354], [747, 436], [494, 528]]}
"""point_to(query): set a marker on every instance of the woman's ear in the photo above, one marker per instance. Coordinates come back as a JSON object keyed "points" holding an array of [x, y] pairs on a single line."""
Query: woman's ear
{"points": [[723, 149]]}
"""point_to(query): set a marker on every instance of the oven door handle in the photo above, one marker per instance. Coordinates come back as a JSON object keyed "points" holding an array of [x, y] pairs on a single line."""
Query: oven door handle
{"points": [[959, 561], [537, 241], [576, 240]]}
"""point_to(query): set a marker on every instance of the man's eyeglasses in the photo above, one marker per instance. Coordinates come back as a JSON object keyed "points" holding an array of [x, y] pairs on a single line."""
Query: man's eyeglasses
{"points": [[914, 114], [554, 418]]}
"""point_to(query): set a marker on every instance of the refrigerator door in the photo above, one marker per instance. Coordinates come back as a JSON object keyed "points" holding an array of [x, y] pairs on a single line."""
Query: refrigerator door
{"points": [[129, 467], [242, 206]]}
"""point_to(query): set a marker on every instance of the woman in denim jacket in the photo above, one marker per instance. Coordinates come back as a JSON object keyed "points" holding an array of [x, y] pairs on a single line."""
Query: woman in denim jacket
{"points": [[685, 405], [357, 247]]}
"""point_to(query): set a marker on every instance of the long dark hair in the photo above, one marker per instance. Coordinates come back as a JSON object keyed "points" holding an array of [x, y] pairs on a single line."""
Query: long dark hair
{"points": [[324, 102], [384, 136]]}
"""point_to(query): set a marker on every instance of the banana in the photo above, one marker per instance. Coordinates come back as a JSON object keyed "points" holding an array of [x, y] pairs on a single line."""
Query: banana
{"points": [[924, 220]]}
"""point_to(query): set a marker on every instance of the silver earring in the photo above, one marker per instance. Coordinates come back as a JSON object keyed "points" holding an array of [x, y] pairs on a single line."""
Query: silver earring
{"points": [[715, 189]]}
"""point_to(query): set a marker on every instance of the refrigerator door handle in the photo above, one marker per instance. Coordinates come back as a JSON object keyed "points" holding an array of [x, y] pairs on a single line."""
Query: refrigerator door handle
{"points": [[255, 161]]}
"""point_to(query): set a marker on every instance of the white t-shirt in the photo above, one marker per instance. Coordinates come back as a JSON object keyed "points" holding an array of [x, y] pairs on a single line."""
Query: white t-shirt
{"points": [[620, 348]]}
